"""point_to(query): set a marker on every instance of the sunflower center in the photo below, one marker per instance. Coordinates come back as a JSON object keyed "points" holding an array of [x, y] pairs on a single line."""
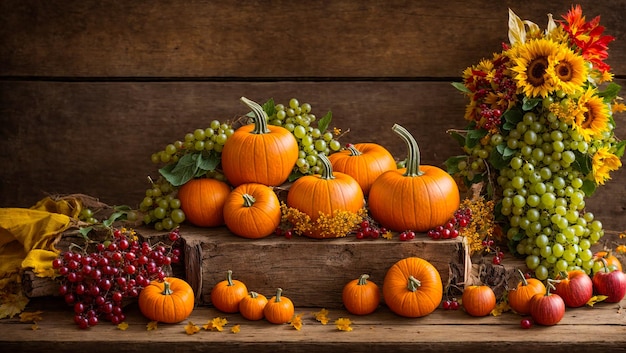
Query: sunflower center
{"points": [[564, 71], [587, 119], [536, 71]]}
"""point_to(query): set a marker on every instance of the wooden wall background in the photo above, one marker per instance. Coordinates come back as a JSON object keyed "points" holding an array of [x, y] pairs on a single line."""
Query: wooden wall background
{"points": [[90, 89]]}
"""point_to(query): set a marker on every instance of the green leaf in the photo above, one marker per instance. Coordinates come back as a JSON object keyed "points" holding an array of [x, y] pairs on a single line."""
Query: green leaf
{"points": [[461, 87], [530, 103], [182, 171], [269, 107], [458, 137], [85, 231], [452, 164], [324, 122], [473, 137], [112, 218], [513, 116], [619, 148], [610, 93], [582, 163], [500, 156], [589, 187]]}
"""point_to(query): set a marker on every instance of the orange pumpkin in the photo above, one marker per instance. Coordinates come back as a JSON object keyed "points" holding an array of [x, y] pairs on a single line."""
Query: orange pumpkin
{"points": [[252, 305], [478, 300], [519, 298], [169, 301], [412, 287], [325, 193], [227, 294], [203, 200], [415, 198], [364, 162], [258, 152], [360, 296], [252, 211], [279, 309]]}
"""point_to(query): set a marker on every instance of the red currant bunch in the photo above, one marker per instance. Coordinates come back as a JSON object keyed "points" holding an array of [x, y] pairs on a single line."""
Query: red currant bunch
{"points": [[95, 281], [451, 229], [369, 230], [451, 304], [488, 244]]}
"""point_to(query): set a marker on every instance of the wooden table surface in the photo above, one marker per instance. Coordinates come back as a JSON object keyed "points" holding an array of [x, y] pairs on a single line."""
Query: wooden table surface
{"points": [[601, 328]]}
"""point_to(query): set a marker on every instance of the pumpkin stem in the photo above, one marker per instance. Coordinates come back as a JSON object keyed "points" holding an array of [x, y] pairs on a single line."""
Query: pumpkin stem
{"points": [[524, 281], [327, 167], [248, 200], [550, 285], [363, 279], [229, 278], [413, 154], [167, 289], [414, 284], [253, 294], [279, 291], [260, 118], [353, 150]]}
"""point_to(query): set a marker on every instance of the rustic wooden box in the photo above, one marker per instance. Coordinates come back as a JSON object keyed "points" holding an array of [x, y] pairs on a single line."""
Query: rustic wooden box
{"points": [[311, 272]]}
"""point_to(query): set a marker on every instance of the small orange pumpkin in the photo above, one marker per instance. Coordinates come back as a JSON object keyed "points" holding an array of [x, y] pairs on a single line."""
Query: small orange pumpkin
{"points": [[360, 296], [611, 260], [418, 197], [169, 301], [258, 152], [478, 300], [364, 162], [279, 309], [203, 200], [519, 298], [412, 287], [325, 193], [252, 211], [227, 294], [252, 305]]}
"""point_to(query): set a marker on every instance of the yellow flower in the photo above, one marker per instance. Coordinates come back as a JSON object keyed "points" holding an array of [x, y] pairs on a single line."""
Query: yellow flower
{"points": [[152, 325], [216, 324], [532, 61], [343, 324], [604, 162], [321, 316], [621, 249], [122, 326], [569, 69], [190, 328], [592, 117], [236, 329]]}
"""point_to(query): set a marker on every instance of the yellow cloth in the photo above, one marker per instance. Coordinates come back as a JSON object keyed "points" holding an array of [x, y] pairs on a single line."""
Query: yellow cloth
{"points": [[28, 236]]}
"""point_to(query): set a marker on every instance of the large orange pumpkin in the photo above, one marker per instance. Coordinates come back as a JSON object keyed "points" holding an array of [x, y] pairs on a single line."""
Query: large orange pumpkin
{"points": [[252, 211], [364, 162], [325, 193], [169, 301], [258, 152], [203, 200], [415, 198], [412, 287]]}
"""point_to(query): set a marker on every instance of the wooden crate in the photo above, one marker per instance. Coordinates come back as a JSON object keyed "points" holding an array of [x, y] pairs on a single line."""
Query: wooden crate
{"points": [[311, 272]]}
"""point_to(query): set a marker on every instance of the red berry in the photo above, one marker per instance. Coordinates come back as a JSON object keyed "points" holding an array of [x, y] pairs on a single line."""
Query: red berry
{"points": [[526, 323], [497, 260]]}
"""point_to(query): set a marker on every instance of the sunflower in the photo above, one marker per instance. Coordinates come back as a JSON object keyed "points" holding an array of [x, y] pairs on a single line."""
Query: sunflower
{"points": [[604, 162], [569, 70], [592, 116], [531, 66]]}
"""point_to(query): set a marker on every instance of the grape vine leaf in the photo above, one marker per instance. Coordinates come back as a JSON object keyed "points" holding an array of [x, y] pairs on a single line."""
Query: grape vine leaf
{"points": [[457, 137], [610, 93], [474, 136], [500, 156], [461, 87], [324, 122], [530, 103], [268, 107], [452, 163], [189, 166]]}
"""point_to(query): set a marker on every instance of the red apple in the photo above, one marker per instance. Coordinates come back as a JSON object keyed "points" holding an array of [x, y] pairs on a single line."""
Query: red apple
{"points": [[610, 283], [547, 309], [575, 287]]}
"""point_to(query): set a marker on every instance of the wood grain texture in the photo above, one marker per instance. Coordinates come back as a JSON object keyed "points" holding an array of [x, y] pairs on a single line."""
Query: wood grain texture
{"points": [[598, 329], [269, 39]]}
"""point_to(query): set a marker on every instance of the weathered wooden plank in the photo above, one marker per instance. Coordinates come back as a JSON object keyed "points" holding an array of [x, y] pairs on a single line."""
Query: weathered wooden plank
{"points": [[601, 328], [269, 39], [311, 272]]}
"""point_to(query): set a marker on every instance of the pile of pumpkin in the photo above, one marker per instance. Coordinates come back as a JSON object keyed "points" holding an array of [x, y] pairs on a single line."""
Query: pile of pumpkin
{"points": [[259, 156]]}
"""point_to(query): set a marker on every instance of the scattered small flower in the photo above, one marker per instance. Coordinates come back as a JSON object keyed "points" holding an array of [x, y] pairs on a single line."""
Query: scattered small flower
{"points": [[596, 299], [122, 326], [321, 316], [343, 324], [296, 322], [190, 328], [152, 325], [216, 324], [235, 329]]}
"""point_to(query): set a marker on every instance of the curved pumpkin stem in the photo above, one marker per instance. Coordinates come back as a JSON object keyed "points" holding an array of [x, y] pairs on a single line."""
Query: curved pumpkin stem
{"points": [[413, 154], [353, 150], [248, 200], [253, 294], [260, 118], [363, 279], [521, 274], [327, 167], [229, 278], [279, 292], [167, 289], [414, 284]]}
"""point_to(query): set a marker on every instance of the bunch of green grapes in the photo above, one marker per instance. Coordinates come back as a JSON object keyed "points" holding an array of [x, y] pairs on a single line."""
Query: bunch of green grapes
{"points": [[543, 197], [160, 206], [298, 119]]}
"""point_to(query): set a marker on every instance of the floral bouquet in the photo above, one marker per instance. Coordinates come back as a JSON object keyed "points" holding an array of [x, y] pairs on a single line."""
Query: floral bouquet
{"points": [[541, 138]]}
